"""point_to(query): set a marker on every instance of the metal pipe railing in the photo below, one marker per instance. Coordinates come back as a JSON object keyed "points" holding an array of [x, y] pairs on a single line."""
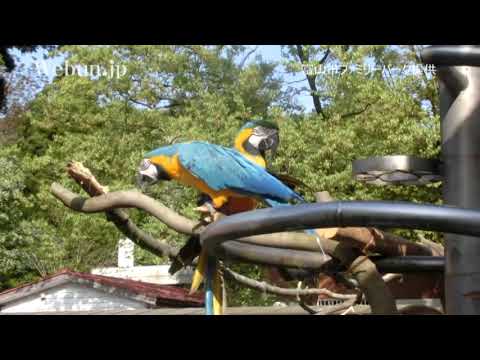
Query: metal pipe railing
{"points": [[339, 214]]}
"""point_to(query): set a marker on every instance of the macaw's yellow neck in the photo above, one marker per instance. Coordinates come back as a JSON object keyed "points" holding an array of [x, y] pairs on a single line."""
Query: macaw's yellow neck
{"points": [[239, 145]]}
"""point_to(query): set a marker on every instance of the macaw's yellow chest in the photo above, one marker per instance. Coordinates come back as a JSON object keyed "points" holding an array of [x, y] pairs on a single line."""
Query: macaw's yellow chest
{"points": [[177, 172]]}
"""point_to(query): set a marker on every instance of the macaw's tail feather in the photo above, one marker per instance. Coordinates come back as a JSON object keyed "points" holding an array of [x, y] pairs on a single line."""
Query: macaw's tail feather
{"points": [[276, 203], [186, 255], [217, 291], [290, 181], [209, 291], [213, 288], [199, 273]]}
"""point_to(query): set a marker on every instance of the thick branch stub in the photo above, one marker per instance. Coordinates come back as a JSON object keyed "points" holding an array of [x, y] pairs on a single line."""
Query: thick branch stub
{"points": [[126, 199], [84, 177], [121, 221]]}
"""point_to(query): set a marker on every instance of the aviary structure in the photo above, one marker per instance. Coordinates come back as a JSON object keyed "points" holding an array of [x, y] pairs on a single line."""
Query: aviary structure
{"points": [[458, 70]]}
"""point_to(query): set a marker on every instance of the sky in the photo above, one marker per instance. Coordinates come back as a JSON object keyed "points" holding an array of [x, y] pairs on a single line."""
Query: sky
{"points": [[268, 52], [273, 53]]}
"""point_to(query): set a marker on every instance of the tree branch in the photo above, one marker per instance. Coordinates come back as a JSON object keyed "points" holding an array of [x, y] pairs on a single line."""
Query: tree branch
{"points": [[126, 199], [242, 63], [120, 218], [355, 113], [361, 238], [275, 290], [311, 80]]}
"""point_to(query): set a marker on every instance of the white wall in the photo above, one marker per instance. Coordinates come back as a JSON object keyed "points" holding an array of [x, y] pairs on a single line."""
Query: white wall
{"points": [[71, 297], [155, 274]]}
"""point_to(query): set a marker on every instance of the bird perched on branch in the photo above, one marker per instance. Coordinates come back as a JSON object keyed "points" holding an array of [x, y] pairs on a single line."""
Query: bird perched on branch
{"points": [[254, 140], [226, 176]]}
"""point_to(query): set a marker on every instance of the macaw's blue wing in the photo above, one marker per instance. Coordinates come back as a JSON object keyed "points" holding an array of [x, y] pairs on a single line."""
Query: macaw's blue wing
{"points": [[224, 168]]}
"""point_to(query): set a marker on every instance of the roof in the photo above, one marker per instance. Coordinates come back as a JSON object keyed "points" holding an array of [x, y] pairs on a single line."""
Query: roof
{"points": [[153, 294]]}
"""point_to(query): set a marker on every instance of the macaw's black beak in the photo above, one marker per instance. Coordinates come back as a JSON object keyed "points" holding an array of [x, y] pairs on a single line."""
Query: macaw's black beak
{"points": [[270, 143], [275, 142], [144, 181]]}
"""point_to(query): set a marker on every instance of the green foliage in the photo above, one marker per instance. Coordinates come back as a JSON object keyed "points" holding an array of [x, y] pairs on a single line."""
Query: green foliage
{"points": [[179, 93]]}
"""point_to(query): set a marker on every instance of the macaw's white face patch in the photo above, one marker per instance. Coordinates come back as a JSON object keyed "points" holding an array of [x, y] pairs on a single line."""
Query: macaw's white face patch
{"points": [[147, 174], [264, 139], [255, 140]]}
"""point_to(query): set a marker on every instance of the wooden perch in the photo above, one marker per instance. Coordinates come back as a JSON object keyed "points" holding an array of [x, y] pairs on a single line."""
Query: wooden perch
{"points": [[126, 199], [85, 178], [120, 218]]}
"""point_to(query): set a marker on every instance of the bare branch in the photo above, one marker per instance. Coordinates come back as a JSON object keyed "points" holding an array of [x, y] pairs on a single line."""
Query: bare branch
{"points": [[355, 113], [372, 240], [242, 63], [325, 56], [372, 285], [275, 290], [369, 240], [295, 81], [304, 59]]}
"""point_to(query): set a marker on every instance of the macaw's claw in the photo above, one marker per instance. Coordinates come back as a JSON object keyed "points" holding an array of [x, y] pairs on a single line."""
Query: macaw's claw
{"points": [[210, 213], [202, 209]]}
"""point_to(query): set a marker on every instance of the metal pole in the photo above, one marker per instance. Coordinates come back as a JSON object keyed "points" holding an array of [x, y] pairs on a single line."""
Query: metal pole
{"points": [[460, 124]]}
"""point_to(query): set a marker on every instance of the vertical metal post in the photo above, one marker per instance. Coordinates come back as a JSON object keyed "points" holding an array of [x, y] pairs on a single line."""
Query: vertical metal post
{"points": [[460, 126], [461, 155]]}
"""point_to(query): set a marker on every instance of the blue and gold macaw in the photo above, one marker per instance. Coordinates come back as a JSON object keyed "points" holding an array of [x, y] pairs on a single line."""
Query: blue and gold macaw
{"points": [[221, 173], [254, 139], [204, 166]]}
